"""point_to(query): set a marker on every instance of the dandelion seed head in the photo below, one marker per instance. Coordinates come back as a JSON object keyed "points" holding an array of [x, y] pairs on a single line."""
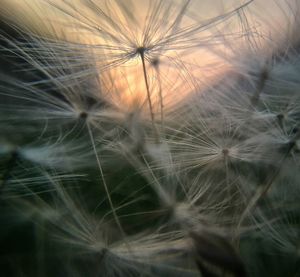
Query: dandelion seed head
{"points": [[147, 136]]}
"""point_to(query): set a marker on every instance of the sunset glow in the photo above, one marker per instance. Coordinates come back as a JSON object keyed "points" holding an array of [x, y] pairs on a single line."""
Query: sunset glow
{"points": [[187, 69], [180, 67]]}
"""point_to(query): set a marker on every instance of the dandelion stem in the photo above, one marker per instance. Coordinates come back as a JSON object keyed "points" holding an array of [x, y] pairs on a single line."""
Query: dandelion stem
{"points": [[161, 192], [141, 52], [156, 66], [265, 188], [103, 180]]}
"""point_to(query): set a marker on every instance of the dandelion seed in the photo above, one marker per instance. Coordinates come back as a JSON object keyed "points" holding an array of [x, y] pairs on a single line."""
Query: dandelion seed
{"points": [[141, 139]]}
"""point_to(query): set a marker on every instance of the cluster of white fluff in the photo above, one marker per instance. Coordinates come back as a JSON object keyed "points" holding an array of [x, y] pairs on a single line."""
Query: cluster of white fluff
{"points": [[152, 138]]}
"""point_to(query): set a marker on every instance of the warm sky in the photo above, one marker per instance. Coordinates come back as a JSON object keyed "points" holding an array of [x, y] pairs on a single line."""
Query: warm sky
{"points": [[264, 16]]}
